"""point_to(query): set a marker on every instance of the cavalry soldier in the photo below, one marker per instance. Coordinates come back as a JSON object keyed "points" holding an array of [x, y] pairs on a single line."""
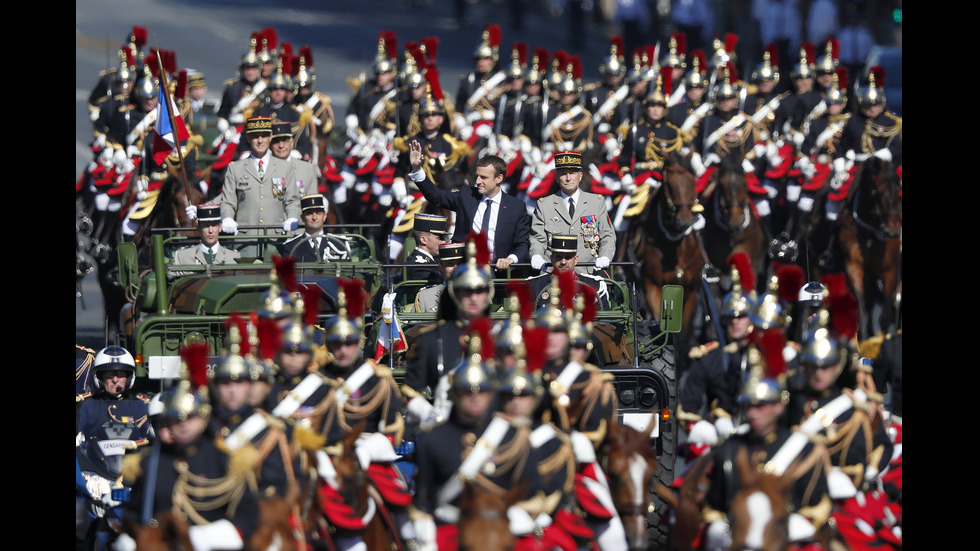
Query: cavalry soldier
{"points": [[826, 65], [274, 104], [650, 140], [478, 90], [313, 106], [874, 131], [603, 98], [687, 111], [413, 89], [509, 101], [438, 347], [569, 125], [195, 477], [236, 424], [125, 120], [450, 256], [726, 130], [430, 234], [764, 399], [368, 108], [239, 93], [675, 63], [256, 189], [118, 79], [570, 210], [717, 369], [823, 160], [763, 103], [797, 107]]}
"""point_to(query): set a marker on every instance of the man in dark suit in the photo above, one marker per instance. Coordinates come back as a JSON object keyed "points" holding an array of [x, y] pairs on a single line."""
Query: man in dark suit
{"points": [[508, 226]]}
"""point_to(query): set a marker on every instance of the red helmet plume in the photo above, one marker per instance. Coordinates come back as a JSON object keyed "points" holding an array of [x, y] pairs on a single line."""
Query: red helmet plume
{"points": [[879, 72], [432, 77], [431, 45], [138, 36], [311, 303], [770, 343], [791, 280], [536, 348], [483, 328], [306, 52], [743, 264], [356, 296], [181, 84], [286, 270], [524, 293], [270, 338], [195, 355], [482, 248]]}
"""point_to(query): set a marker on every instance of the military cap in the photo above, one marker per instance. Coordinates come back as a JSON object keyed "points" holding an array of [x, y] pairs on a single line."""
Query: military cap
{"points": [[209, 213], [282, 129], [564, 244], [311, 202], [258, 125], [195, 78], [568, 159], [432, 223], [451, 252]]}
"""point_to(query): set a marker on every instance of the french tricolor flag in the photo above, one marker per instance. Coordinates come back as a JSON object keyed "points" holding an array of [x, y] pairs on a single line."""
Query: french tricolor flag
{"points": [[163, 141]]}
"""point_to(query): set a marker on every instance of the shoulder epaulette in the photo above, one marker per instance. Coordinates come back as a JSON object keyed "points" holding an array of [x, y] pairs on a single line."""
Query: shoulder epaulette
{"points": [[143, 398], [702, 351], [230, 81], [382, 371], [731, 347], [82, 397]]}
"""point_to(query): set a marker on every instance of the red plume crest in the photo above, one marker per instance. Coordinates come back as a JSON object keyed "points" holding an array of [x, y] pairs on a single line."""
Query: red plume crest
{"points": [[770, 343], [773, 54], [791, 280], [567, 281], [591, 304], [482, 249], [432, 77], [743, 264], [270, 338], [181, 84], [617, 42], [842, 77], [483, 328], [311, 303], [681, 40], [431, 44], [535, 348], [524, 293], [236, 320], [493, 35], [139, 36], [879, 72], [306, 52], [731, 40], [196, 357], [354, 291], [286, 270]]}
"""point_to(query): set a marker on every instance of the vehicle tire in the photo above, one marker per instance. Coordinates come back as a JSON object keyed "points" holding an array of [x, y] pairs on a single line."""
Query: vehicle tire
{"points": [[658, 523]]}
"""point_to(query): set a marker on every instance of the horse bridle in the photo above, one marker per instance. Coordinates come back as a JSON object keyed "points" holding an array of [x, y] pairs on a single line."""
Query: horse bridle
{"points": [[881, 232], [719, 209]]}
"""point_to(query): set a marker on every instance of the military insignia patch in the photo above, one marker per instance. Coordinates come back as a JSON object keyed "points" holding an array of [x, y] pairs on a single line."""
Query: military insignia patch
{"points": [[278, 187]]}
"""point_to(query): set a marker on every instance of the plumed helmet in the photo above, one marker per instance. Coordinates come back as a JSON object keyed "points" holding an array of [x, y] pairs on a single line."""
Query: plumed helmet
{"points": [[277, 302], [146, 85], [615, 62], [518, 60], [347, 326], [584, 308], [251, 56], [114, 358], [728, 88], [558, 313], [827, 63], [385, 60], [837, 93], [769, 68], [741, 299], [660, 95], [557, 71], [305, 76], [804, 66], [433, 102], [126, 70], [697, 77], [415, 67], [829, 340], [873, 93], [280, 80], [724, 51], [771, 310], [524, 379], [520, 305], [189, 396], [538, 68], [475, 372], [268, 39], [475, 273], [676, 56], [234, 365], [489, 46], [572, 81], [767, 369]]}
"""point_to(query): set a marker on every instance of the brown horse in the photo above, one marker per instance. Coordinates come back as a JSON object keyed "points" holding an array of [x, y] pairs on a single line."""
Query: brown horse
{"points": [[759, 513], [630, 463], [871, 240], [483, 523], [731, 222], [688, 503], [671, 252], [168, 533], [275, 530]]}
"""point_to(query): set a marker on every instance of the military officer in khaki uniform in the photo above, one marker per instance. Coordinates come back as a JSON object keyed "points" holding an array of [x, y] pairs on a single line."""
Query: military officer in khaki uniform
{"points": [[569, 210], [257, 190], [208, 250], [302, 173]]}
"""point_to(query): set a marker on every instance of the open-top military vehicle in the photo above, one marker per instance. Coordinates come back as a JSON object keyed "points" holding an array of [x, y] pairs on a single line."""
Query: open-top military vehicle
{"points": [[167, 302]]}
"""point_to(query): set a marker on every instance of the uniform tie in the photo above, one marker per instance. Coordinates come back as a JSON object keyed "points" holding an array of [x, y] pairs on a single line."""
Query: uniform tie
{"points": [[571, 208], [261, 169], [209, 255], [315, 243], [486, 217]]}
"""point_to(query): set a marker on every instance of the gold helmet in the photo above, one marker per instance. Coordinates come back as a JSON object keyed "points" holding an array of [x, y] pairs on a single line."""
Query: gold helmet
{"points": [[385, 60], [833, 336], [518, 61], [769, 68], [251, 56], [585, 305], [347, 326], [771, 311], [728, 88], [767, 369], [804, 67], [615, 62], [697, 77], [520, 304], [305, 76], [280, 80], [127, 68], [190, 396], [572, 81], [235, 364], [557, 314], [537, 71], [146, 86], [269, 39], [524, 379], [873, 93], [676, 52], [828, 63], [475, 274], [298, 334], [433, 100], [557, 72], [475, 372], [660, 95], [837, 93], [724, 52], [489, 46], [741, 299], [277, 302], [415, 66]]}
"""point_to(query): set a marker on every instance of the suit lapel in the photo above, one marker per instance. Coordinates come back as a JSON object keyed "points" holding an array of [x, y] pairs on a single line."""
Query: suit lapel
{"points": [[561, 209]]}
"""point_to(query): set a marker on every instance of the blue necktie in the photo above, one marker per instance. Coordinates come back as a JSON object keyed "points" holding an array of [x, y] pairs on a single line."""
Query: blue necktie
{"points": [[486, 217], [571, 208]]}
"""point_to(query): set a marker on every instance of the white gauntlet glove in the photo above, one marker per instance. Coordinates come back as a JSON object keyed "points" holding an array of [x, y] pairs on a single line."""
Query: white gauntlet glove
{"points": [[229, 226], [537, 262], [191, 211]]}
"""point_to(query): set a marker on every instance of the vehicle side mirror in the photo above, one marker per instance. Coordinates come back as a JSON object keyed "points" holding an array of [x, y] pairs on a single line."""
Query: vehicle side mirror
{"points": [[671, 308]]}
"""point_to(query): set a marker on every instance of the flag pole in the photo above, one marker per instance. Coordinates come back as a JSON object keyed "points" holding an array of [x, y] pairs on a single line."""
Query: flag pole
{"points": [[165, 86]]}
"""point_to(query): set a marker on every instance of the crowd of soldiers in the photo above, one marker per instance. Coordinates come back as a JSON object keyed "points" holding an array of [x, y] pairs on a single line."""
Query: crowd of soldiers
{"points": [[495, 404]]}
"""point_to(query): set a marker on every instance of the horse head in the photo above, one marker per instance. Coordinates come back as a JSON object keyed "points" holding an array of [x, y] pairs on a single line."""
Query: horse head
{"points": [[629, 463], [880, 187], [483, 521], [679, 195], [732, 196], [759, 514]]}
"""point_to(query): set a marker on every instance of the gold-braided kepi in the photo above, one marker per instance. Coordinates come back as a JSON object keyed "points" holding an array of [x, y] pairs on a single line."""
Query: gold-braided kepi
{"points": [[568, 159]]}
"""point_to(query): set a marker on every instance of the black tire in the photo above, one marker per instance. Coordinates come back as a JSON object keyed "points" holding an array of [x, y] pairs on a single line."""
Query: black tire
{"points": [[658, 526]]}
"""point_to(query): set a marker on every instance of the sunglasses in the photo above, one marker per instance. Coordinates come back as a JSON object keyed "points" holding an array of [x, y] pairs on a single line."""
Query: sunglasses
{"points": [[115, 374]]}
